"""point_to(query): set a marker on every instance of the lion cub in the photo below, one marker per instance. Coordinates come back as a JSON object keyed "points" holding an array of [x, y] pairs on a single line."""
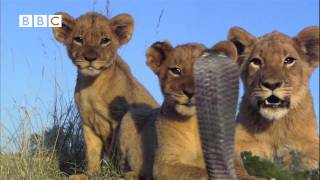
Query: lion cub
{"points": [[276, 113], [165, 142], [105, 87]]}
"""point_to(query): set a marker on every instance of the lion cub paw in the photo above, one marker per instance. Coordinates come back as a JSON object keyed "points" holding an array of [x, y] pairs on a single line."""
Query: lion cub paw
{"points": [[79, 177], [131, 175]]}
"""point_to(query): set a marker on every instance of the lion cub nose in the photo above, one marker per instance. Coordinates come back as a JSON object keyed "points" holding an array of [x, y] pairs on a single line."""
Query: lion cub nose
{"points": [[271, 86], [90, 55], [188, 93]]}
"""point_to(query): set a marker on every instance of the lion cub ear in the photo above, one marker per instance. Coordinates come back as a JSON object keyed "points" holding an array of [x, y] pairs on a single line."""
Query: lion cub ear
{"points": [[227, 48], [241, 39], [63, 33], [157, 53], [122, 25], [308, 40]]}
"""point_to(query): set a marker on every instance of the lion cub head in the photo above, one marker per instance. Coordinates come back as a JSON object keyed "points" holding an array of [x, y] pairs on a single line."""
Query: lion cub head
{"points": [[275, 68], [174, 67], [92, 39]]}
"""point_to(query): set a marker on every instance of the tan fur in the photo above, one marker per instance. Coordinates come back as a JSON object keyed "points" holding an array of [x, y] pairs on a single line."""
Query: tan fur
{"points": [[266, 131], [105, 87], [171, 133], [138, 142]]}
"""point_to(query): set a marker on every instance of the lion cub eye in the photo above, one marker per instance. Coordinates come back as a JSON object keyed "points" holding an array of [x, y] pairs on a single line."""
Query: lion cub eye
{"points": [[175, 71], [78, 40], [105, 41], [256, 62], [289, 61]]}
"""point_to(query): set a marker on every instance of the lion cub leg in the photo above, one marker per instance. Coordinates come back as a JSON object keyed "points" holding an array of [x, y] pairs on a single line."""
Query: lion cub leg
{"points": [[310, 155], [79, 177], [131, 160], [179, 171], [94, 147], [131, 175]]}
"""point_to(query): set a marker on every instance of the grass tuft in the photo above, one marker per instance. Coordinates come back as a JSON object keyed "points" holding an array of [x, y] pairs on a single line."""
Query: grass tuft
{"points": [[53, 153]]}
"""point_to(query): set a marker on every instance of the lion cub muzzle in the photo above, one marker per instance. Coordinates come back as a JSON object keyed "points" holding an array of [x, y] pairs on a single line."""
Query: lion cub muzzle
{"points": [[277, 96], [273, 99], [91, 63], [90, 55], [185, 105]]}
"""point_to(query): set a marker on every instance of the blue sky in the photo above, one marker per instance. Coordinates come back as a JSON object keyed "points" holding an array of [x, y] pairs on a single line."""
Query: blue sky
{"points": [[31, 60]]}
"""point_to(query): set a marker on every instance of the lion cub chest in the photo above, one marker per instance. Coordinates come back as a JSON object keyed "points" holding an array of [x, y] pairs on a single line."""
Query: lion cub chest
{"points": [[93, 109], [181, 141]]}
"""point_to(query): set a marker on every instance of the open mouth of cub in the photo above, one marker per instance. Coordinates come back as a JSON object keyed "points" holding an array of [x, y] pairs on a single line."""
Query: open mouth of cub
{"points": [[274, 102]]}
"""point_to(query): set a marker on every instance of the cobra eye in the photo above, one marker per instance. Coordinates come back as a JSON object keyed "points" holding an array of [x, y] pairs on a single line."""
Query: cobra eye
{"points": [[289, 60], [176, 71], [78, 39], [256, 61], [105, 41]]}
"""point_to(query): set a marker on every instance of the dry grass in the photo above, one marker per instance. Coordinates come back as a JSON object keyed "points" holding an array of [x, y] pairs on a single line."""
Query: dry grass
{"points": [[54, 153], [22, 166]]}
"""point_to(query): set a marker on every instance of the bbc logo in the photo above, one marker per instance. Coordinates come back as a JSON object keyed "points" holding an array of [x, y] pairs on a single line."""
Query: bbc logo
{"points": [[40, 21]]}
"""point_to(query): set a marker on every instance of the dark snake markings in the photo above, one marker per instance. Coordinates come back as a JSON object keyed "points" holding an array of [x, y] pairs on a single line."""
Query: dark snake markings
{"points": [[216, 85]]}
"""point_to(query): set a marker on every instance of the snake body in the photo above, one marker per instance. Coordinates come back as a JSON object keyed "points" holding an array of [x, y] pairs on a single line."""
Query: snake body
{"points": [[216, 87]]}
